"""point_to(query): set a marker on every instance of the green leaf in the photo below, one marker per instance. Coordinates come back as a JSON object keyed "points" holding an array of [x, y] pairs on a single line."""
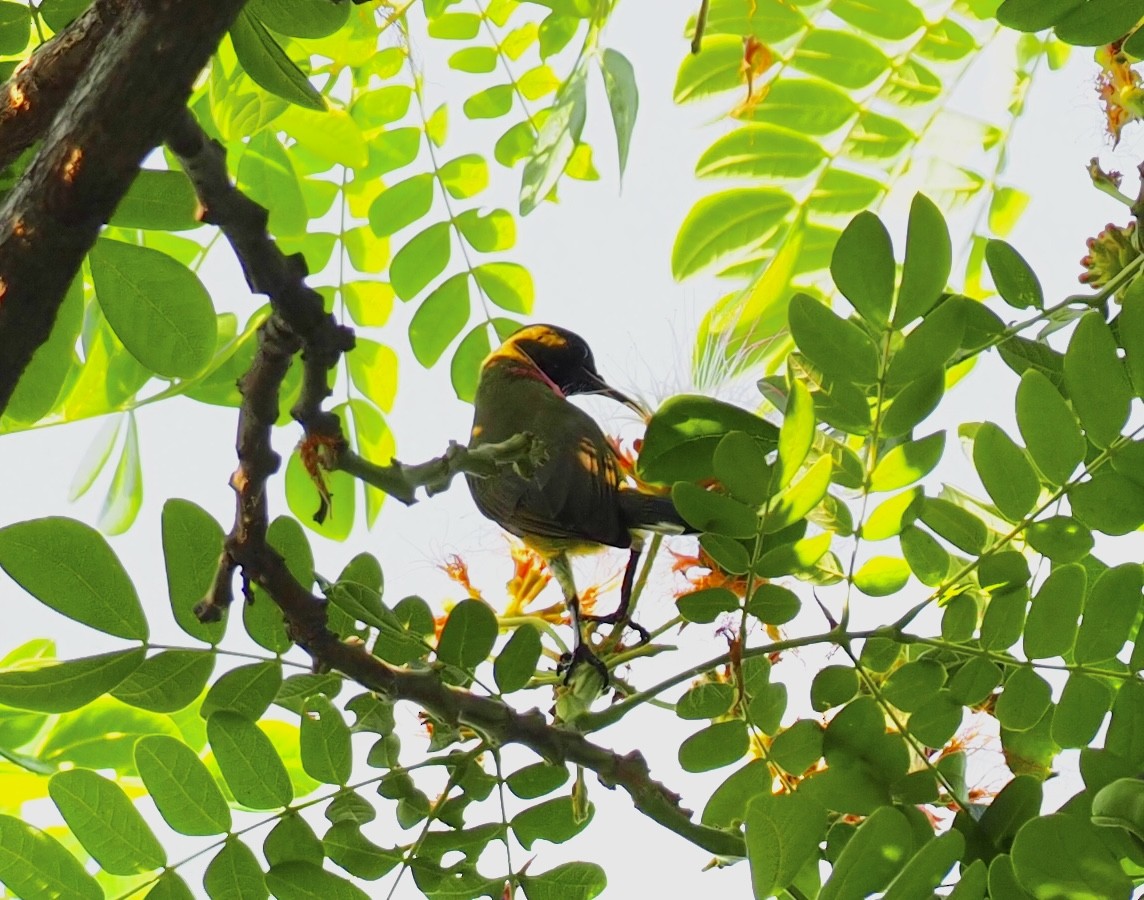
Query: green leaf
{"points": [[267, 176], [465, 176], [44, 378], [1062, 856], [487, 232], [570, 881], [894, 20], [516, 663], [872, 857], [1023, 701], [1051, 626], [907, 463], [706, 700], [300, 18], [235, 874], [35, 864], [158, 199], [863, 268], [836, 346], [69, 567], [14, 23], [556, 141], [682, 436], [248, 761], [247, 690], [958, 526], [878, 138], [106, 822], [716, 68], [797, 501], [268, 65], [1099, 22], [741, 465], [714, 512], [724, 223], [298, 879], [707, 604], [760, 151], [1005, 471], [623, 99], [53, 686], [347, 847], [882, 576], [168, 681], [1012, 276], [1079, 713], [1006, 207], [914, 684], [783, 833], [475, 60], [1109, 613], [839, 57], [469, 634], [1061, 538], [773, 604], [324, 739], [1004, 619], [930, 346], [1119, 804], [1051, 431], [536, 780], [157, 307], [1096, 380], [508, 285], [974, 681], [401, 204], [421, 260], [1034, 15], [554, 820], [715, 746], [804, 105], [927, 869], [183, 789], [927, 559], [125, 493], [465, 368], [833, 686], [1130, 326], [1109, 503], [439, 319]]}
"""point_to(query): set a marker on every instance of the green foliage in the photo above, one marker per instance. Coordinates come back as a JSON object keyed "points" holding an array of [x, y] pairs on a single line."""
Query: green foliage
{"points": [[1009, 609]]}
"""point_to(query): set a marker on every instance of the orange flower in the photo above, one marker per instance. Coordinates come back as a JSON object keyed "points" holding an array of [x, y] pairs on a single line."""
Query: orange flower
{"points": [[458, 570], [529, 577], [713, 577], [1119, 87]]}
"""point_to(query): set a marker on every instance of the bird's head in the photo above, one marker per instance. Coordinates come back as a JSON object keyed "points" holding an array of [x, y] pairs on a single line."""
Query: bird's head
{"points": [[565, 359]]}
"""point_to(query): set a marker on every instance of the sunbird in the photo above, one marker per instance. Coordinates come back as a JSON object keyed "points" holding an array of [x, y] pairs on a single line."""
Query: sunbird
{"points": [[576, 500]]}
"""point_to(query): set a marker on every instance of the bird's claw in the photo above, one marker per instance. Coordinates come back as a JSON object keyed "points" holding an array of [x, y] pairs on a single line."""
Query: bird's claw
{"points": [[614, 618], [581, 654]]}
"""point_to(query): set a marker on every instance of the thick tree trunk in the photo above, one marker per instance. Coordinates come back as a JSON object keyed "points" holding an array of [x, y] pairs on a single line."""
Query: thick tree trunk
{"points": [[139, 78]]}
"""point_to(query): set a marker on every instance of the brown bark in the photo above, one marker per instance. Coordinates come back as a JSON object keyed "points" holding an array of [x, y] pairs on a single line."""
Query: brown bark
{"points": [[139, 78]]}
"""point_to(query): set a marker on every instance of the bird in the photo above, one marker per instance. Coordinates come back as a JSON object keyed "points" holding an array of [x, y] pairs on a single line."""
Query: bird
{"points": [[576, 500]]}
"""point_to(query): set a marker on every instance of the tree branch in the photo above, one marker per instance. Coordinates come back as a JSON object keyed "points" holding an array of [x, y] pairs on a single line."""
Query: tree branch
{"points": [[139, 75], [299, 322], [41, 84]]}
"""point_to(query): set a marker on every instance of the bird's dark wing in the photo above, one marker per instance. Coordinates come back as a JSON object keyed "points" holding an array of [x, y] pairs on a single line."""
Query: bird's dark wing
{"points": [[573, 496]]}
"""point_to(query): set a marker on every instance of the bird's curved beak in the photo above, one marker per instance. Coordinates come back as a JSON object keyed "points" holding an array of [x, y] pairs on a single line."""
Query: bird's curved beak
{"points": [[601, 388]]}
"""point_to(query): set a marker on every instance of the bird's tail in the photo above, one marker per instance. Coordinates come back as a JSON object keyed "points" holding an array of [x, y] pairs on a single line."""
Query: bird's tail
{"points": [[652, 512]]}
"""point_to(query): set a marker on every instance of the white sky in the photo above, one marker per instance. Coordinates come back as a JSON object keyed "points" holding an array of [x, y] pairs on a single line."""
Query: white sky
{"points": [[601, 265]]}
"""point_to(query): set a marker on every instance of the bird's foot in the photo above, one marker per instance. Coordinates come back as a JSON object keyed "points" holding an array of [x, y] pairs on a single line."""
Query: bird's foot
{"points": [[581, 654], [615, 618]]}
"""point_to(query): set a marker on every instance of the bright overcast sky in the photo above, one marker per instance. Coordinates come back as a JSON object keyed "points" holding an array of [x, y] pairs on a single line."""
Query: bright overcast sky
{"points": [[601, 265]]}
